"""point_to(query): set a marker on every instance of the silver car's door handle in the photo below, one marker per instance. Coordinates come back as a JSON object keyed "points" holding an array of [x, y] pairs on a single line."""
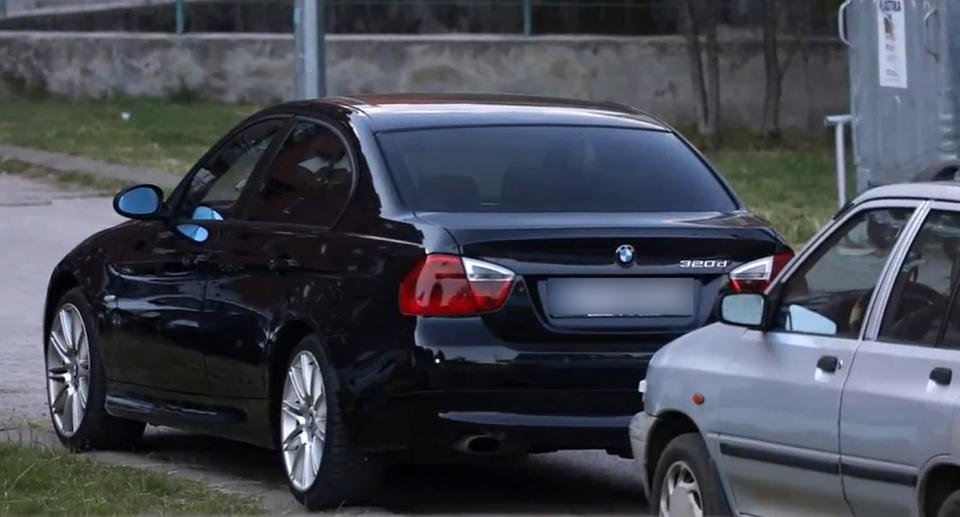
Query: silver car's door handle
{"points": [[829, 364], [941, 376]]}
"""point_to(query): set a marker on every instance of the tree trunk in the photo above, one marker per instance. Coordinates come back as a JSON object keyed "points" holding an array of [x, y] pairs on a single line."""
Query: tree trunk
{"points": [[690, 22], [711, 132], [774, 76]]}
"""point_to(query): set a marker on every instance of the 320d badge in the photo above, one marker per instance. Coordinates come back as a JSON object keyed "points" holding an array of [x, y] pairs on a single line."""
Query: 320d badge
{"points": [[708, 264], [349, 279]]}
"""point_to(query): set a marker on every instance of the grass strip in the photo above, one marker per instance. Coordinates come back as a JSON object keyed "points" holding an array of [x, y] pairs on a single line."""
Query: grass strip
{"points": [[47, 481]]}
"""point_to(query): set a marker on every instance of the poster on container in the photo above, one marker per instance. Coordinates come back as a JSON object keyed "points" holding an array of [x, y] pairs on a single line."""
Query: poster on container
{"points": [[892, 39]]}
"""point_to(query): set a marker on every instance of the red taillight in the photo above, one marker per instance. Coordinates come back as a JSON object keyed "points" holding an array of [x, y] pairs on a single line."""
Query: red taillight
{"points": [[447, 285], [756, 275]]}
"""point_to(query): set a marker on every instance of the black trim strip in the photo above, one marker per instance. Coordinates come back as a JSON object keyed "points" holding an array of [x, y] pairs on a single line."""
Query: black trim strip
{"points": [[779, 458], [879, 474], [170, 412], [817, 465]]}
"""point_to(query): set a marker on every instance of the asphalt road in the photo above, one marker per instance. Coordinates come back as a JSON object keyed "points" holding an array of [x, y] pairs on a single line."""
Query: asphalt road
{"points": [[39, 224]]}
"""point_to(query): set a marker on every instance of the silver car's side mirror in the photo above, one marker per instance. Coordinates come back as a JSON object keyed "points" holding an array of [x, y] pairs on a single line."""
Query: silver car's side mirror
{"points": [[743, 309]]}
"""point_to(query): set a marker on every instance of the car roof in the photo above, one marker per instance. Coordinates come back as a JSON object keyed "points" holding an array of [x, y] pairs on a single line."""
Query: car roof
{"points": [[937, 190], [393, 112]]}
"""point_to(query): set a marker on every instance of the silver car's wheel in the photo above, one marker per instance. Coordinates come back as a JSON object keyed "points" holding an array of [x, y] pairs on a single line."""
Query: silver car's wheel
{"points": [[680, 494], [68, 369], [303, 420]]}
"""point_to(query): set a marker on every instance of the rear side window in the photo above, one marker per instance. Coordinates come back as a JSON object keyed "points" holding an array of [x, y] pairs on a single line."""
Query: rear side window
{"points": [[550, 169], [309, 181]]}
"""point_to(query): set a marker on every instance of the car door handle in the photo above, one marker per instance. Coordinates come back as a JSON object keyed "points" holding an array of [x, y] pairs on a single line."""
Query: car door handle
{"points": [[829, 364], [282, 264], [193, 260], [941, 376]]}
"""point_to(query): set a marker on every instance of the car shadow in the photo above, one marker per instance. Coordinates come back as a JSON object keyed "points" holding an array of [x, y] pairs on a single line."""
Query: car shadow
{"points": [[567, 482]]}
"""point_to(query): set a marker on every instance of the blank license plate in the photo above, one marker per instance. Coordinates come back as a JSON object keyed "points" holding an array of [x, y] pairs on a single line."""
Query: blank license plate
{"points": [[619, 297]]}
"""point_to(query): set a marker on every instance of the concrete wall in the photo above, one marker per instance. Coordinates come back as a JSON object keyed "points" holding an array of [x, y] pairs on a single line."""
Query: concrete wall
{"points": [[648, 72], [17, 7]]}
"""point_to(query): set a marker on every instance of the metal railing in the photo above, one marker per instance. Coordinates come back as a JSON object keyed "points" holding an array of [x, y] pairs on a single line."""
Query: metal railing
{"points": [[839, 122], [528, 17], [523, 13]]}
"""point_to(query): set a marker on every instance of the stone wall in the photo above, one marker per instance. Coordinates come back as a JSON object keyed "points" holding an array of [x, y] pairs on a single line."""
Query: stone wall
{"points": [[647, 72]]}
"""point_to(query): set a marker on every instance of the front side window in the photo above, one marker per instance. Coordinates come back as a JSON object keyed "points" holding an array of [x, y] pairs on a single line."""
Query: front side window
{"points": [[921, 293], [220, 179], [310, 180], [828, 294], [550, 169]]}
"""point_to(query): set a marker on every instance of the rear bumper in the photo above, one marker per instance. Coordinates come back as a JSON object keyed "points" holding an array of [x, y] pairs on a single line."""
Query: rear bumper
{"points": [[464, 379], [458, 355], [505, 422]]}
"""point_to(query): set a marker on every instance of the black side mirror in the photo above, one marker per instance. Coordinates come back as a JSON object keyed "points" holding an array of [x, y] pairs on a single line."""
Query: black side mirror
{"points": [[139, 202], [744, 310]]}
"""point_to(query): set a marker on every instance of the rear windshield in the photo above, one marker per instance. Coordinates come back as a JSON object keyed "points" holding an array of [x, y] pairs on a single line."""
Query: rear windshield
{"points": [[550, 169]]}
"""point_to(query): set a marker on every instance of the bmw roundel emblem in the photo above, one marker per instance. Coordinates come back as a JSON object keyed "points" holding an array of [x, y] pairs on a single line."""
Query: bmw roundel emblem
{"points": [[625, 254]]}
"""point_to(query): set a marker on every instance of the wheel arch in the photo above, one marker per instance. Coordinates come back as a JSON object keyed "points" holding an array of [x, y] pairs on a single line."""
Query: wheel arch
{"points": [[286, 337], [938, 481], [61, 282], [668, 425]]}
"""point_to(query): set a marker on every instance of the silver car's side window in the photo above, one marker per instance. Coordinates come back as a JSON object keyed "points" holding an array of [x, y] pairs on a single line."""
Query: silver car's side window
{"points": [[921, 293], [829, 293]]}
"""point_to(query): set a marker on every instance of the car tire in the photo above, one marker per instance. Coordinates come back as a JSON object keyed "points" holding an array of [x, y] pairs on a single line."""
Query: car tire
{"points": [[343, 476], [685, 461], [950, 506], [78, 368]]}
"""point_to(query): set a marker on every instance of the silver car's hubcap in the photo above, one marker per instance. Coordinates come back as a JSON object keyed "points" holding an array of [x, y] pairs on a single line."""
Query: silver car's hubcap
{"points": [[680, 494], [303, 420], [68, 369]]}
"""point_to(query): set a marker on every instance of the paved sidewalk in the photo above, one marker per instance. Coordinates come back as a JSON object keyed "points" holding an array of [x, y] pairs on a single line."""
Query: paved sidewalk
{"points": [[39, 224], [21, 191], [68, 163]]}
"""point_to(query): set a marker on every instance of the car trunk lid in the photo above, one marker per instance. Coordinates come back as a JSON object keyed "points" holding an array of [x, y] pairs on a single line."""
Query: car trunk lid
{"points": [[572, 281]]}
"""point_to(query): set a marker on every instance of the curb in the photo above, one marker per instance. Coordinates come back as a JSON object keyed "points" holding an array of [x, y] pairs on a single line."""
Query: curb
{"points": [[63, 163]]}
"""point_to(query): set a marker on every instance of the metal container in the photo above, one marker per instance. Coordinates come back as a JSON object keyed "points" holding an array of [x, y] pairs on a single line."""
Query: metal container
{"points": [[903, 79]]}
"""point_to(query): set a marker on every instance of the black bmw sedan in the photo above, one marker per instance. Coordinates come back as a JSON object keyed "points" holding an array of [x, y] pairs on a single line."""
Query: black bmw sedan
{"points": [[359, 280]]}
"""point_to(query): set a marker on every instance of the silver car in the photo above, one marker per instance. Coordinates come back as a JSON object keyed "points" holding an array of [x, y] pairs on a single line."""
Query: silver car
{"points": [[833, 392]]}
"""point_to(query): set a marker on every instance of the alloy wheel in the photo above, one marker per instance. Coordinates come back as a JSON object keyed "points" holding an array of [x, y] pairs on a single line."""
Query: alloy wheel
{"points": [[303, 420], [68, 369], [680, 494]]}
